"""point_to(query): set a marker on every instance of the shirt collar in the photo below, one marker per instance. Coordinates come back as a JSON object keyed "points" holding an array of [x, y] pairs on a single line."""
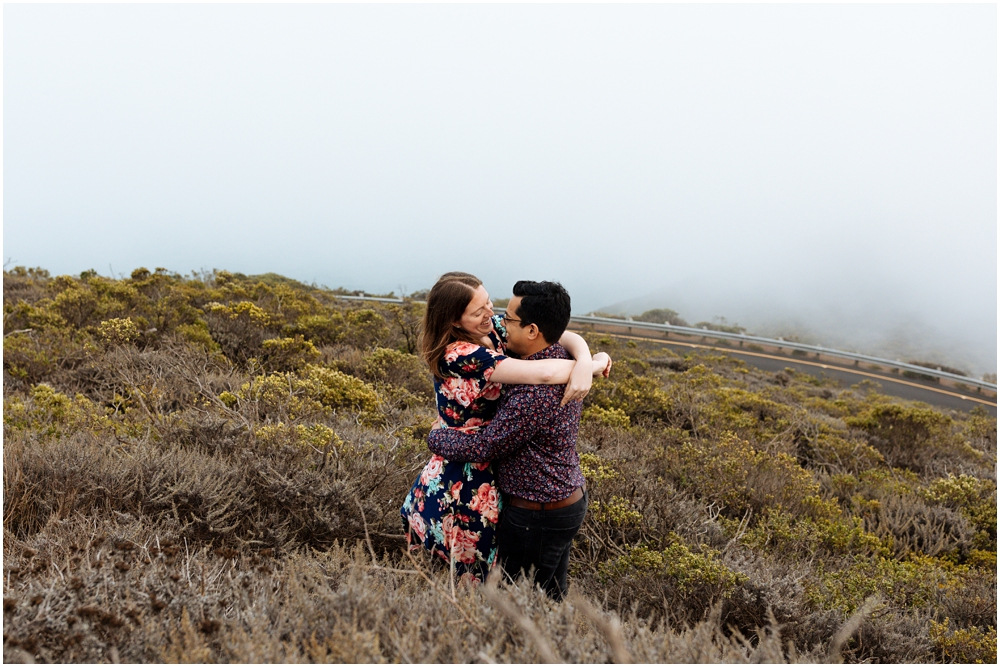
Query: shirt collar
{"points": [[554, 351]]}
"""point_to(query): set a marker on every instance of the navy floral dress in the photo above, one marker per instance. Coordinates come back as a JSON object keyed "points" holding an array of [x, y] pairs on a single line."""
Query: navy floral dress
{"points": [[453, 509]]}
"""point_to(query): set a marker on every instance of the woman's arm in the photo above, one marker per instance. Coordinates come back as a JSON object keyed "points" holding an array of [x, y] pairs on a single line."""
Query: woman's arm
{"points": [[582, 377], [540, 371]]}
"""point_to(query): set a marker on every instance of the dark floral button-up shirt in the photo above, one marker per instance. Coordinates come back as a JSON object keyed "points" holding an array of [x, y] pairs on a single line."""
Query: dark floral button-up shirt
{"points": [[531, 440]]}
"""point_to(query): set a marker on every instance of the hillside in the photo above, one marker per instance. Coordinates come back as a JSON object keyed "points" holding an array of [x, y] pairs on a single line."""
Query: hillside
{"points": [[210, 469]]}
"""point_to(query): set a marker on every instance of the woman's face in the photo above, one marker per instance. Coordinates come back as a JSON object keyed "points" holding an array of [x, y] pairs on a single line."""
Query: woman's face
{"points": [[477, 318]]}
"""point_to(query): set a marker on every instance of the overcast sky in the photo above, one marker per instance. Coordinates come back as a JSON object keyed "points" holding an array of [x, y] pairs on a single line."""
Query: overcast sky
{"points": [[761, 162]]}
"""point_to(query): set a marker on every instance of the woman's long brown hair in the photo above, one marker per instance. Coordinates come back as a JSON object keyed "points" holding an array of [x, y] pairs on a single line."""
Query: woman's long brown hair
{"points": [[446, 303]]}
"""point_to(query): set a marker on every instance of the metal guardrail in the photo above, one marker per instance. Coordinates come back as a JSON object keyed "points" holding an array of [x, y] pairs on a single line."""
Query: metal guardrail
{"points": [[373, 298], [725, 335], [773, 342]]}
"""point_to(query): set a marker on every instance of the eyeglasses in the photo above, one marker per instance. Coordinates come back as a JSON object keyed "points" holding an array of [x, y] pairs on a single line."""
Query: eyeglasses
{"points": [[507, 319]]}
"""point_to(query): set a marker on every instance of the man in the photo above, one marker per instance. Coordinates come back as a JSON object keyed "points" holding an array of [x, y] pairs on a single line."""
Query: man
{"points": [[533, 441]]}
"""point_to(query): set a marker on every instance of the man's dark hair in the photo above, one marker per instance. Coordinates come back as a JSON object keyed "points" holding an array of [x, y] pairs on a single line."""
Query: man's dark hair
{"points": [[544, 304]]}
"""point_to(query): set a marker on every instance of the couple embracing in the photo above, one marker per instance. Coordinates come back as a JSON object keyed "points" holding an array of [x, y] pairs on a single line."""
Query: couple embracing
{"points": [[504, 487]]}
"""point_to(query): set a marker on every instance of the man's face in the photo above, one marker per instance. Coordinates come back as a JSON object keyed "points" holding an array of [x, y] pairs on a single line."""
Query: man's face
{"points": [[517, 335]]}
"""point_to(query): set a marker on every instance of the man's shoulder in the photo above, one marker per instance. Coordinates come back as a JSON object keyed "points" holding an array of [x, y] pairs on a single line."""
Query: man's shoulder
{"points": [[557, 351]]}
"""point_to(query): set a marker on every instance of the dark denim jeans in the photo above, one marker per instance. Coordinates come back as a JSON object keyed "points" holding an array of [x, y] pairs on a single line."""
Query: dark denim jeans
{"points": [[541, 540]]}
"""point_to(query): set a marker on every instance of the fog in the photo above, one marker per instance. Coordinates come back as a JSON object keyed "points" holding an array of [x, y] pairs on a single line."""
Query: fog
{"points": [[829, 170]]}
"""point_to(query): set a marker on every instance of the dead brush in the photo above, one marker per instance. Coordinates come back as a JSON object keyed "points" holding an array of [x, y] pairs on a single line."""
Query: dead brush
{"points": [[165, 517], [179, 602], [916, 527]]}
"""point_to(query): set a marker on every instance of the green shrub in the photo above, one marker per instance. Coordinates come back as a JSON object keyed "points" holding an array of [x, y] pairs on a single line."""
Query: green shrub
{"points": [[197, 332], [240, 329], [907, 437], [746, 413], [975, 498], [34, 358], [315, 437], [672, 579], [732, 474], [118, 331], [366, 328], [314, 391], [915, 583], [617, 512], [964, 645], [325, 329], [636, 396], [595, 469], [614, 417], [53, 415], [393, 367], [287, 354], [835, 454], [780, 534]]}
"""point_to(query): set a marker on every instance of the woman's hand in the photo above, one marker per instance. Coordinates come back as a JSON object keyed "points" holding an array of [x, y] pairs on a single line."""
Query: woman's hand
{"points": [[602, 364], [579, 382]]}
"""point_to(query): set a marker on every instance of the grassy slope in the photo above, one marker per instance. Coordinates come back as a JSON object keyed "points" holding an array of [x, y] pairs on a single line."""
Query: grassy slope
{"points": [[190, 469]]}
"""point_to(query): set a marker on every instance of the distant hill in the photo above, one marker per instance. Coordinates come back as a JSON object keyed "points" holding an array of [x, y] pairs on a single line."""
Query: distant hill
{"points": [[875, 331]]}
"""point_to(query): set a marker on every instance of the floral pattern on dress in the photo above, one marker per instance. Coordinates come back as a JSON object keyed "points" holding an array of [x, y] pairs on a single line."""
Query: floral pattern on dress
{"points": [[453, 509], [466, 397]]}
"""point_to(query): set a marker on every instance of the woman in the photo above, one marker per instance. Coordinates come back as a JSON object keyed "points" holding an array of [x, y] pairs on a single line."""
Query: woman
{"points": [[453, 508]]}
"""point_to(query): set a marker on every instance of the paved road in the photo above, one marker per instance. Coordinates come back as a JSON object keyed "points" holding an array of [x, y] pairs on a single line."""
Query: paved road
{"points": [[910, 389]]}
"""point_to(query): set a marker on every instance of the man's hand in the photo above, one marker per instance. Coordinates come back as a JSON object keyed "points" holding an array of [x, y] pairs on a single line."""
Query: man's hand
{"points": [[579, 383]]}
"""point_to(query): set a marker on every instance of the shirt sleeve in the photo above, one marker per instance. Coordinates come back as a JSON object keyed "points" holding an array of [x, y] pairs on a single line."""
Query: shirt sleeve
{"points": [[515, 425], [468, 361]]}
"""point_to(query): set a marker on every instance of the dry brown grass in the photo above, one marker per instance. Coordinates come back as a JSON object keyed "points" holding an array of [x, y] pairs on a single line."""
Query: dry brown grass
{"points": [[192, 494]]}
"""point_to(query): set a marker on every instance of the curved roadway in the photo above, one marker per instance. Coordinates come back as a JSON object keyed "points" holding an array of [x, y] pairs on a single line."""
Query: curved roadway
{"points": [[910, 389]]}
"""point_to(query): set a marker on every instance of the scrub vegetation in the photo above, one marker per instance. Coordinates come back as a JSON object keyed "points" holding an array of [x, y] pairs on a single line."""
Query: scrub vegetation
{"points": [[210, 468]]}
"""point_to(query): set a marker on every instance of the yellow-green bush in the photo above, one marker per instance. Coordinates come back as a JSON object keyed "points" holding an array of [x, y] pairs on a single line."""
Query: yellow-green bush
{"points": [[38, 316], [616, 511], [118, 331], [287, 354], [365, 328], [746, 413], [243, 310], [837, 453], [197, 332], [315, 390], [975, 498], [674, 576], [632, 390], [385, 366], [731, 473], [778, 533], [324, 329], [964, 645], [607, 416], [595, 469], [315, 437], [53, 415], [689, 570], [907, 437], [914, 583], [32, 358]]}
